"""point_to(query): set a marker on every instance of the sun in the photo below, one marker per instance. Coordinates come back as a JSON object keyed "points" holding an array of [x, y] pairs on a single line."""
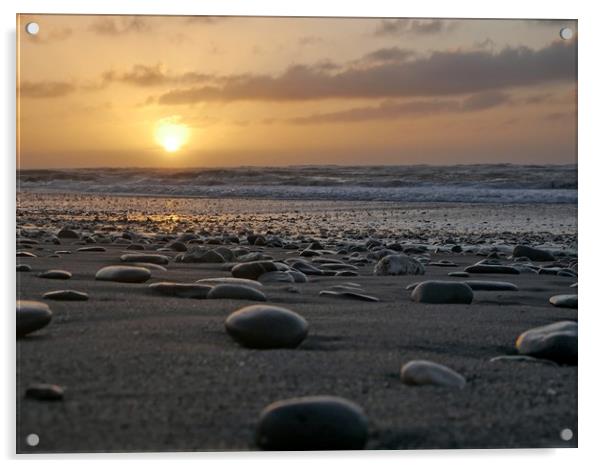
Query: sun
{"points": [[171, 134]]}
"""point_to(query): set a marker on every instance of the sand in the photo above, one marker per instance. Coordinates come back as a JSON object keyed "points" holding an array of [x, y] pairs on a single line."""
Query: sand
{"points": [[148, 373]]}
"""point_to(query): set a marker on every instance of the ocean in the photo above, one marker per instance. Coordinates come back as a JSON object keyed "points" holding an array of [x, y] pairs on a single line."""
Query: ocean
{"points": [[477, 183]]}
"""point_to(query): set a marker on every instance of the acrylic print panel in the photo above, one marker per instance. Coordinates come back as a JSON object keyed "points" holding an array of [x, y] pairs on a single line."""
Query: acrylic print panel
{"points": [[252, 233]]}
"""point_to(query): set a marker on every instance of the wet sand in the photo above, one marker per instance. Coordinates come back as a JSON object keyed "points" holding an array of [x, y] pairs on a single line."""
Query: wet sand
{"points": [[149, 373]]}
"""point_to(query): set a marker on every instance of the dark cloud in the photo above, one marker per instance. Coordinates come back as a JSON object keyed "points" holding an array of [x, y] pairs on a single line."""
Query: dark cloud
{"points": [[45, 89], [441, 74], [390, 54], [417, 27], [154, 75], [120, 26], [392, 110]]}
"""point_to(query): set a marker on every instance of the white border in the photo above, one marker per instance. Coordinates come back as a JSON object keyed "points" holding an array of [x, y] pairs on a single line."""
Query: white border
{"points": [[588, 14]]}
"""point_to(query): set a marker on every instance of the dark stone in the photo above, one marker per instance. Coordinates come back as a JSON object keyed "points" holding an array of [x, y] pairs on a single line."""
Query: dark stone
{"points": [[66, 295], [557, 342], [55, 274], [123, 274], [253, 270], [31, 316], [92, 249], [145, 258], [492, 269], [442, 292], [491, 286], [312, 423], [536, 255], [265, 326], [67, 234], [568, 301], [46, 392], [23, 267], [236, 291]]}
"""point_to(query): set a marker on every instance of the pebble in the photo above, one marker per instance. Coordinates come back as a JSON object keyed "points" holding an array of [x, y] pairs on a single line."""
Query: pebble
{"points": [[24, 253], [299, 277], [185, 290], [92, 249], [145, 258], [47, 392], [442, 292], [443, 263], [493, 269], [568, 301], [66, 295], [421, 372], [458, 274], [266, 326], [67, 234], [253, 270], [491, 286], [31, 316], [350, 295], [557, 342], [398, 265], [536, 255], [149, 266], [312, 423], [229, 280], [55, 274], [200, 256], [22, 267], [276, 277], [236, 291], [123, 274]]}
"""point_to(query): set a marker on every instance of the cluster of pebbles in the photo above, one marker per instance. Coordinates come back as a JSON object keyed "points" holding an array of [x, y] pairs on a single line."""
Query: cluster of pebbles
{"points": [[315, 422]]}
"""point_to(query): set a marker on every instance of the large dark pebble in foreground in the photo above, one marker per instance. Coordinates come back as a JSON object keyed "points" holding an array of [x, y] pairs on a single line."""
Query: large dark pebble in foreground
{"points": [[312, 423], [557, 342], [442, 292], [264, 326], [537, 255], [31, 316]]}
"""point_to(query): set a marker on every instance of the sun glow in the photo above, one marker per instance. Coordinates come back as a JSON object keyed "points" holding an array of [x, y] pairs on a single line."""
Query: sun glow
{"points": [[171, 134]]}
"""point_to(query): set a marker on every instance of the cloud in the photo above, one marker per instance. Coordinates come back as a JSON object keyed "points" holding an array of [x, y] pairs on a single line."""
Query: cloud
{"points": [[392, 110], [45, 89], [154, 75], [120, 26], [440, 74], [390, 54], [416, 27]]}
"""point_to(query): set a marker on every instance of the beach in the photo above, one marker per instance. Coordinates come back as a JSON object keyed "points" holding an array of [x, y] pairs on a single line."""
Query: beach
{"points": [[146, 372]]}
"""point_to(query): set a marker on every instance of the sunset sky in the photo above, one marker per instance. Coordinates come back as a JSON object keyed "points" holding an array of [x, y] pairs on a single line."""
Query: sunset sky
{"points": [[101, 91]]}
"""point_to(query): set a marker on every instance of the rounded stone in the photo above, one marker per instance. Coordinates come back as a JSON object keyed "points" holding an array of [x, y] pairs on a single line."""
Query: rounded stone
{"points": [[420, 372], [55, 274], [398, 265], [23, 268], [492, 269], [67, 234], [442, 292], [47, 392], [557, 342], [536, 255], [145, 258], [229, 280], [253, 270], [31, 316], [568, 301], [312, 423], [266, 326], [236, 291], [123, 274], [66, 295], [92, 249]]}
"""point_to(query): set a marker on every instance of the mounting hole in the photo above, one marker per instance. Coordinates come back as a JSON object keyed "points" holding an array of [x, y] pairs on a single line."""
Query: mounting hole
{"points": [[32, 440], [566, 434], [566, 33], [32, 28]]}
